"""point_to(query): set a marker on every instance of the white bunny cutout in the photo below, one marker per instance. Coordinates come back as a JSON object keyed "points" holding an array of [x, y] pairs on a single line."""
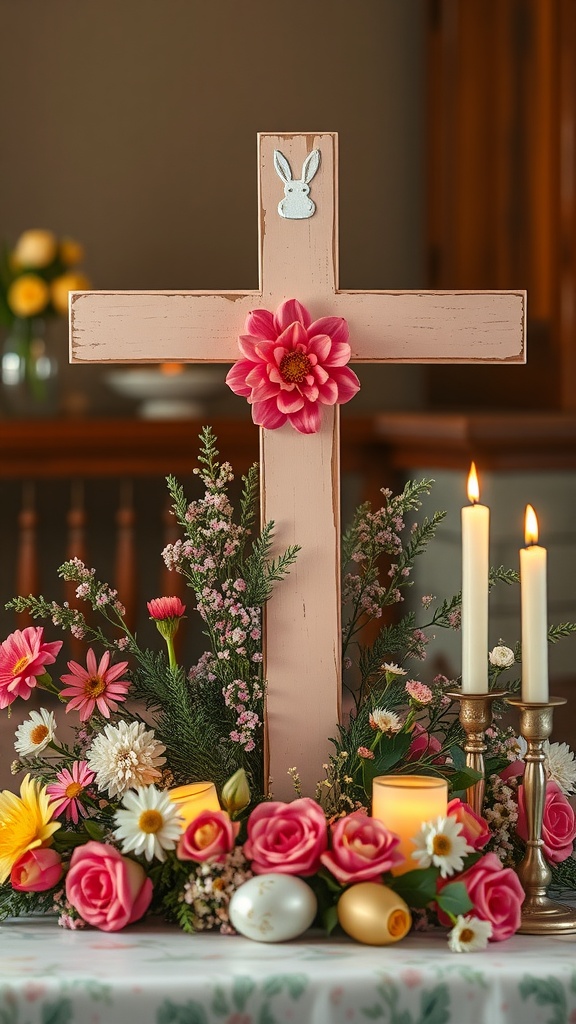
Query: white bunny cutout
{"points": [[296, 204]]}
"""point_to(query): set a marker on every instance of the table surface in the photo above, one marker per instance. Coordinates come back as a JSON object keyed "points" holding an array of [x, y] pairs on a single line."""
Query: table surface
{"points": [[153, 974]]}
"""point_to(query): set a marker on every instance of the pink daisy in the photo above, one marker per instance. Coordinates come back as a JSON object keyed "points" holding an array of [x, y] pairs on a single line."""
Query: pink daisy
{"points": [[95, 685], [23, 658], [166, 608], [419, 692], [292, 366], [67, 791]]}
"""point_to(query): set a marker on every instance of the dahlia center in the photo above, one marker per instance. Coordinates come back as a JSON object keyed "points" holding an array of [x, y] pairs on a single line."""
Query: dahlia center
{"points": [[441, 845], [150, 821], [73, 790], [38, 734], [295, 367], [20, 665], [466, 935], [94, 686]]}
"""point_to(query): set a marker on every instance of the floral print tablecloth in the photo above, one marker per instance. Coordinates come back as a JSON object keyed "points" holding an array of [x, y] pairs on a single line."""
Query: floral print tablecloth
{"points": [[150, 974]]}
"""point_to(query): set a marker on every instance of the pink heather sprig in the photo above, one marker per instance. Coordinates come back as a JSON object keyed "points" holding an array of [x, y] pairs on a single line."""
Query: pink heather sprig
{"points": [[245, 700]]}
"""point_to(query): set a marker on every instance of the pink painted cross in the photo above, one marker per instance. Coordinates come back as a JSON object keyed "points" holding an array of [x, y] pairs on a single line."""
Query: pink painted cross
{"points": [[300, 473]]}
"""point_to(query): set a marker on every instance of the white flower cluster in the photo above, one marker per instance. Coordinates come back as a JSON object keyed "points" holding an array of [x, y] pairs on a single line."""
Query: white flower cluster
{"points": [[502, 815], [210, 888]]}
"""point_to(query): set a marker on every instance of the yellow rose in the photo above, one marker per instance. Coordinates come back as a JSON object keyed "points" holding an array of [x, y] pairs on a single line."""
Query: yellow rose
{"points": [[73, 281], [28, 295], [35, 249], [71, 252]]}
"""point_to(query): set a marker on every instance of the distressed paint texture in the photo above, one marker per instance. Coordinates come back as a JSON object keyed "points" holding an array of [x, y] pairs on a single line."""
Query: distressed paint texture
{"points": [[300, 492]]}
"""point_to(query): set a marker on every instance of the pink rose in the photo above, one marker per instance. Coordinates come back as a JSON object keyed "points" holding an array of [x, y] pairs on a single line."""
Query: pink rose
{"points": [[474, 828], [36, 870], [362, 849], [108, 890], [496, 894], [558, 823], [286, 838], [512, 770], [209, 837], [423, 745]]}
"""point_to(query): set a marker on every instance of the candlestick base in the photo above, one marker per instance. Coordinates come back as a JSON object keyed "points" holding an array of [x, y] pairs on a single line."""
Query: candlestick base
{"points": [[540, 915], [475, 718]]}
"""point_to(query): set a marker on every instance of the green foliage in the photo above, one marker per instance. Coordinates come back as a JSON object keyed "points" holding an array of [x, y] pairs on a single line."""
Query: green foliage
{"points": [[453, 899]]}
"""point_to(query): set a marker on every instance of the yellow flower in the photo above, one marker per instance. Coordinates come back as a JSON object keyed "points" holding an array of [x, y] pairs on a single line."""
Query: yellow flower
{"points": [[71, 252], [35, 249], [28, 295], [73, 281], [25, 823]]}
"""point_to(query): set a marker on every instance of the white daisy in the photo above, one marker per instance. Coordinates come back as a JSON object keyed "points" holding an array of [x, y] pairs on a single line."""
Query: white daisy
{"points": [[391, 669], [560, 766], [34, 735], [439, 843], [149, 825], [385, 721], [124, 757], [469, 934]]}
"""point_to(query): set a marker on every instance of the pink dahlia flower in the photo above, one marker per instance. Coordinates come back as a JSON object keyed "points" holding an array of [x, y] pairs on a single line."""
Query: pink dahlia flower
{"points": [[66, 793], [23, 658], [166, 608], [95, 686], [292, 366]]}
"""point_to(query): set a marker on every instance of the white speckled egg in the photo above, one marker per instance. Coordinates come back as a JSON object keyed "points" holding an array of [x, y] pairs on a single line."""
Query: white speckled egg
{"points": [[272, 908]]}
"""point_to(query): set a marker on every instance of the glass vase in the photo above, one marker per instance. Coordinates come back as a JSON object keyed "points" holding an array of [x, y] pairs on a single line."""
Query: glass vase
{"points": [[29, 371]]}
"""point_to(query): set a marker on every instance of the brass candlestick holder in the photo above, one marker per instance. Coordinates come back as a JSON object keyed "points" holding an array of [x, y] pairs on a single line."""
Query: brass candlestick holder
{"points": [[540, 915], [475, 718]]}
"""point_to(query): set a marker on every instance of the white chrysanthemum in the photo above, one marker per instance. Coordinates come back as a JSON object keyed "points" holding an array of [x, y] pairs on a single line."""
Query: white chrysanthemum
{"points": [[560, 766], [469, 934], [392, 669], [439, 843], [501, 656], [125, 757], [149, 825], [35, 733], [385, 721]]}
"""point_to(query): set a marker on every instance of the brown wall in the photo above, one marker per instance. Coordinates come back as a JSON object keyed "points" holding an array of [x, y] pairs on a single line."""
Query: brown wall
{"points": [[132, 126]]}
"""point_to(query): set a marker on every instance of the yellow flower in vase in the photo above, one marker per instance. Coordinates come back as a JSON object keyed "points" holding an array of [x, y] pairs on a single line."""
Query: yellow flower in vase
{"points": [[72, 281], [36, 248], [71, 252], [25, 823], [28, 295]]}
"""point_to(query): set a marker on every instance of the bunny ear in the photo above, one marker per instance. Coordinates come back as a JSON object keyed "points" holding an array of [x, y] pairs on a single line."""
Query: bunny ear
{"points": [[310, 166], [282, 166]]}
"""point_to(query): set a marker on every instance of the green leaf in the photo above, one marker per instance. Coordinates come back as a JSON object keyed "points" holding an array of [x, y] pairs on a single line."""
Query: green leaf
{"points": [[266, 1016], [273, 985], [183, 1013], [463, 779], [417, 888], [373, 1012], [454, 899], [94, 830], [391, 751], [219, 1003], [547, 992], [435, 1006], [329, 919], [241, 991], [57, 1013], [296, 984], [458, 756]]}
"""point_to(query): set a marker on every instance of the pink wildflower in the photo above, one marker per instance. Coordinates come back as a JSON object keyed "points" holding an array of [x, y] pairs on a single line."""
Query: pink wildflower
{"points": [[66, 793], [166, 608], [23, 658], [419, 692], [292, 365], [95, 685], [366, 753]]}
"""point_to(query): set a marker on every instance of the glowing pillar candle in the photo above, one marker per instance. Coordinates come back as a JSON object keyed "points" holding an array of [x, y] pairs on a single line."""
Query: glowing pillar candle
{"points": [[403, 803], [475, 545], [194, 798], [534, 614]]}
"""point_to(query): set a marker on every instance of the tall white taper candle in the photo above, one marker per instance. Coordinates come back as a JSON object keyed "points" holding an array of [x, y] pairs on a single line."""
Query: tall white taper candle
{"points": [[475, 567], [534, 614]]}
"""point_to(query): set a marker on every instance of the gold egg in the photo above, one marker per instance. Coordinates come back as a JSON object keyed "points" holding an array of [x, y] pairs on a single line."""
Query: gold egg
{"points": [[373, 914]]}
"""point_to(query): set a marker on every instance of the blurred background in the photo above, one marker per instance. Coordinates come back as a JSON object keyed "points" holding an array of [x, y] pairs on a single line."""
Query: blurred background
{"points": [[131, 128]]}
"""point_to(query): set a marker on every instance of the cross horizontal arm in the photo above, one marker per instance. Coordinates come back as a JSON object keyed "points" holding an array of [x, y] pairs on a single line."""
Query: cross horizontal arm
{"points": [[158, 327]]}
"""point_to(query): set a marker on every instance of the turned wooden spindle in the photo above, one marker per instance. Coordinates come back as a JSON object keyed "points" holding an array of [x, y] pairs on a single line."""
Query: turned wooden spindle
{"points": [[126, 563], [27, 568], [76, 547]]}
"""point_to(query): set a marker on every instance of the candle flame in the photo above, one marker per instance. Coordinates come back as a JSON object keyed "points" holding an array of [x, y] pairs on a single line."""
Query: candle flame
{"points": [[530, 526], [473, 487]]}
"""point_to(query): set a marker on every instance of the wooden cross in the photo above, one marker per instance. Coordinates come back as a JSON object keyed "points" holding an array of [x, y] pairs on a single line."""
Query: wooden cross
{"points": [[300, 473]]}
